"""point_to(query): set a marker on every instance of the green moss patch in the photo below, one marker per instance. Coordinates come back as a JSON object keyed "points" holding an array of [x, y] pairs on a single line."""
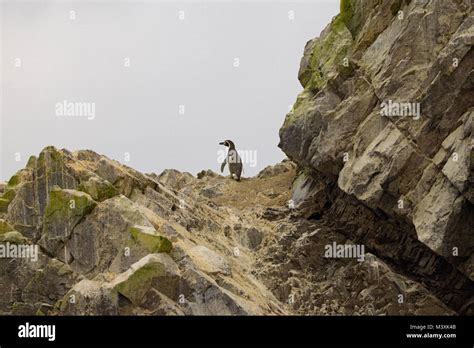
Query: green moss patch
{"points": [[98, 189], [31, 162], [4, 205], [346, 11], [139, 282], [5, 227], [6, 199], [14, 180], [66, 203], [329, 53], [150, 239], [65, 209]]}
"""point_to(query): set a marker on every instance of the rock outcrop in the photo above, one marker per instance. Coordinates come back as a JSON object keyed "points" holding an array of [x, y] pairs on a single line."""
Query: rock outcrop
{"points": [[81, 234], [385, 121], [113, 241]]}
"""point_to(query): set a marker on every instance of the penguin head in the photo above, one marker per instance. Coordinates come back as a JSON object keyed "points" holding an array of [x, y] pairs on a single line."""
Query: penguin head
{"points": [[228, 143]]}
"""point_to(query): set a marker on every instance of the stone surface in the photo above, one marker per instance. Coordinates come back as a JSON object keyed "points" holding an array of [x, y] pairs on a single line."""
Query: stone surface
{"points": [[174, 179], [208, 260], [152, 270], [98, 188], [114, 241], [5, 226], [336, 127], [13, 237], [64, 210], [413, 169], [89, 297], [158, 248], [150, 238]]}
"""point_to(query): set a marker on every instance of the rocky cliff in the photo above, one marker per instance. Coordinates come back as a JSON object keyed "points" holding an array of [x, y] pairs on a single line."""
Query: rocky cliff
{"points": [[385, 120], [112, 240], [116, 241]]}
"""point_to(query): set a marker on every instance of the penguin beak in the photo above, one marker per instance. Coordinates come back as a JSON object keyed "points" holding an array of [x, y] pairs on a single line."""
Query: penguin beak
{"points": [[222, 143]]}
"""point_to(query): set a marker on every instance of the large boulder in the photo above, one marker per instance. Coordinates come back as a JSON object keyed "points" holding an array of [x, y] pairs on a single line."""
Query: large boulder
{"points": [[150, 238], [155, 270], [89, 297], [103, 240], [28, 190], [65, 209]]}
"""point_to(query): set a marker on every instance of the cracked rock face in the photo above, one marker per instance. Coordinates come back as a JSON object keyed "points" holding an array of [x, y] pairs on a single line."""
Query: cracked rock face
{"points": [[149, 247], [113, 241], [416, 168]]}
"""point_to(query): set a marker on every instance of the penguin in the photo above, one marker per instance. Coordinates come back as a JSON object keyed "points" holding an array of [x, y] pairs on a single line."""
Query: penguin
{"points": [[233, 159]]}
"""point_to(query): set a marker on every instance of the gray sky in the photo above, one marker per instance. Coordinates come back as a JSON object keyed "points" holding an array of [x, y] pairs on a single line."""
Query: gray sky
{"points": [[163, 89]]}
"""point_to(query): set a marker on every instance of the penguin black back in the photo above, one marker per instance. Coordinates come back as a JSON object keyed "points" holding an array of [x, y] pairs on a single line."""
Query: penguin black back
{"points": [[233, 160]]}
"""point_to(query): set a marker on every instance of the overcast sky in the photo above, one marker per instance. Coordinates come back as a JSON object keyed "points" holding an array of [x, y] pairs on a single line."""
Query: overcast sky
{"points": [[164, 82]]}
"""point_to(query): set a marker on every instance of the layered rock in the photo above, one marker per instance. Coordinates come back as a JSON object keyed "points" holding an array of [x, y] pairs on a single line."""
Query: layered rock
{"points": [[113, 241], [412, 171]]}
